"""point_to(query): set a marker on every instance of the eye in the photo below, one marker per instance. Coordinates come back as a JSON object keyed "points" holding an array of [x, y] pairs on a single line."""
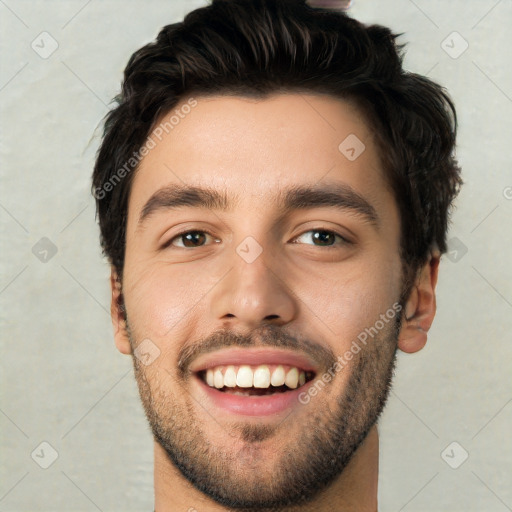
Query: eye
{"points": [[190, 239], [325, 238], [197, 238]]}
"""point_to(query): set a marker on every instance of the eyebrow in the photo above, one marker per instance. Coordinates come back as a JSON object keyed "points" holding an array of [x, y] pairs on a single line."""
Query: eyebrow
{"points": [[333, 195]]}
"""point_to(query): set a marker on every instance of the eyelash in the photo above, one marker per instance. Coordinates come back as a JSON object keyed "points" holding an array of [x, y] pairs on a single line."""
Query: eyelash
{"points": [[344, 241]]}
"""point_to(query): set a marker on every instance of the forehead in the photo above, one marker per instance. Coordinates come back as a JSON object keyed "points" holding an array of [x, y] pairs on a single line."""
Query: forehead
{"points": [[258, 147]]}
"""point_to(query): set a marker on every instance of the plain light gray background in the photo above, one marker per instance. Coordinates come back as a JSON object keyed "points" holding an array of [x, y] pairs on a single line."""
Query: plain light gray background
{"points": [[64, 383]]}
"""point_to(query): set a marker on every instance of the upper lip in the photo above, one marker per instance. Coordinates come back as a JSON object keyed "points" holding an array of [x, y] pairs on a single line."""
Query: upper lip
{"points": [[252, 357]]}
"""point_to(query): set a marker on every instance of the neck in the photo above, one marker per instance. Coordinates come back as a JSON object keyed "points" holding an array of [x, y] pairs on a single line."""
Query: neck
{"points": [[355, 490]]}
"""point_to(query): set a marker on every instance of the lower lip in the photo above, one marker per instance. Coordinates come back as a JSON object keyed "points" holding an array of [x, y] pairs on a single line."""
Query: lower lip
{"points": [[262, 405]]}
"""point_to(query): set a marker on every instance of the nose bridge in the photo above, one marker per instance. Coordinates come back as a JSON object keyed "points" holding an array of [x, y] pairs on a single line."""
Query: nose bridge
{"points": [[254, 279], [252, 291]]}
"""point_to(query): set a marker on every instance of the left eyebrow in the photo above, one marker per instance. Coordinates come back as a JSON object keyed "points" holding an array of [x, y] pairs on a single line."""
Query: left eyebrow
{"points": [[334, 195]]}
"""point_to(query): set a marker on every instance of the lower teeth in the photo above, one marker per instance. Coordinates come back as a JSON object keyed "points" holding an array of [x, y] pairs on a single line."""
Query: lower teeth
{"points": [[254, 391]]}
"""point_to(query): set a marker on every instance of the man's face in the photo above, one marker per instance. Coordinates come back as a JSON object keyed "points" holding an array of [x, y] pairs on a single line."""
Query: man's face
{"points": [[259, 285]]}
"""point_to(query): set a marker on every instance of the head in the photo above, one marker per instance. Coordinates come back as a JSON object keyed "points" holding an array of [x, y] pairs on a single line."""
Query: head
{"points": [[309, 113]]}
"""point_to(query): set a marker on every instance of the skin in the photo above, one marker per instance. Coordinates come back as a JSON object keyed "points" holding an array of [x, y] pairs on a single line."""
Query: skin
{"points": [[178, 297]]}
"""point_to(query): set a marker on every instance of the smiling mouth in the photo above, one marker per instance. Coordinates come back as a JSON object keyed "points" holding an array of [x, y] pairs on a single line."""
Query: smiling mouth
{"points": [[247, 380]]}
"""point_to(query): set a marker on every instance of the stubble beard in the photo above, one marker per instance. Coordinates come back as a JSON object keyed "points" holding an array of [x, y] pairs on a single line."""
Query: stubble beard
{"points": [[309, 460]]}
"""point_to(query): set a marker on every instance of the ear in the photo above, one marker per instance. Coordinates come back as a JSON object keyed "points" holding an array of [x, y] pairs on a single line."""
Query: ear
{"points": [[420, 307], [118, 314]]}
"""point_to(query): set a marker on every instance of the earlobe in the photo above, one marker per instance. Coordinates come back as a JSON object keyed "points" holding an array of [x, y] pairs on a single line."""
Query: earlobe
{"points": [[118, 315], [420, 308]]}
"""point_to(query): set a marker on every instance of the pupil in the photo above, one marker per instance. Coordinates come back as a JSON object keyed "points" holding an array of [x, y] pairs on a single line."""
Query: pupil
{"points": [[190, 237], [321, 235]]}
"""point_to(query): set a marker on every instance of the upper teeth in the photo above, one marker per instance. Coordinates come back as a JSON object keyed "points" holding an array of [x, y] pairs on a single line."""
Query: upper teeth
{"points": [[261, 376]]}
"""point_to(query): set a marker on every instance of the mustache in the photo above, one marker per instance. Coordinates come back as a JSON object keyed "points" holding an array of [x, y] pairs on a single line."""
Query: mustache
{"points": [[270, 336]]}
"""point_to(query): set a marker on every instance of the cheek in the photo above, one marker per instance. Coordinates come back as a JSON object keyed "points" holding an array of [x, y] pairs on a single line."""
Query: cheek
{"points": [[161, 298], [343, 302]]}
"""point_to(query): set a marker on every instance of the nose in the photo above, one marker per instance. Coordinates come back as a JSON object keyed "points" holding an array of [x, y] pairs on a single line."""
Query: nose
{"points": [[253, 293]]}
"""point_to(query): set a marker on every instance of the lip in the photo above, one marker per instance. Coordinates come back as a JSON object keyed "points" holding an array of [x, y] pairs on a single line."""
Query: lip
{"points": [[263, 405], [253, 357]]}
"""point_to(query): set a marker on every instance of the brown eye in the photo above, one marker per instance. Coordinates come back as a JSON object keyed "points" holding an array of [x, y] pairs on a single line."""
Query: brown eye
{"points": [[324, 238], [189, 239]]}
